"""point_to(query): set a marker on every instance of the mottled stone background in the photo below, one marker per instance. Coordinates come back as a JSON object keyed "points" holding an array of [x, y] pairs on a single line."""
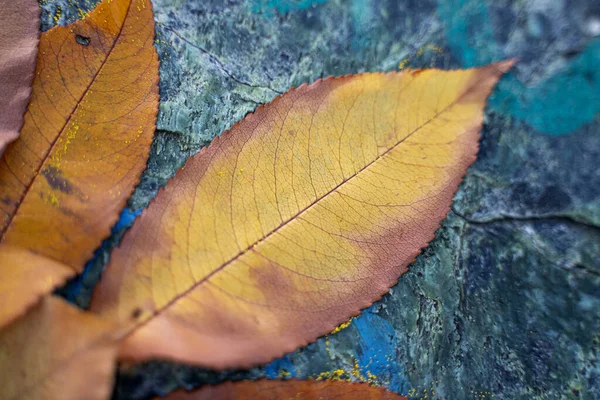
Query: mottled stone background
{"points": [[505, 302]]}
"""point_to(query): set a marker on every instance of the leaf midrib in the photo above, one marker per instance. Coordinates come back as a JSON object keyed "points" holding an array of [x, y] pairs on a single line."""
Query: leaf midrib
{"points": [[62, 130]]}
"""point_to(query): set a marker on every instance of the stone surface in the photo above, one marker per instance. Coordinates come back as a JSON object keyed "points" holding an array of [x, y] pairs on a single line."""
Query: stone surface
{"points": [[505, 302]]}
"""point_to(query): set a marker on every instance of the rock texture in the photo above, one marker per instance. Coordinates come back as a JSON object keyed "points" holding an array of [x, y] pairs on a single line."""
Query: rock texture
{"points": [[505, 303]]}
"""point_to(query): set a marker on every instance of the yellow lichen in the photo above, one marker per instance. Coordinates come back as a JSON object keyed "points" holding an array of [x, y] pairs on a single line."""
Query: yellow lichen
{"points": [[403, 63], [284, 374], [335, 375], [342, 326], [419, 53]]}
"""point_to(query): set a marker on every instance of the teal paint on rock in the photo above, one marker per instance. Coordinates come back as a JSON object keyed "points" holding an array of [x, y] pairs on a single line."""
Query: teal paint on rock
{"points": [[283, 6], [361, 17], [558, 105], [562, 103], [466, 24]]}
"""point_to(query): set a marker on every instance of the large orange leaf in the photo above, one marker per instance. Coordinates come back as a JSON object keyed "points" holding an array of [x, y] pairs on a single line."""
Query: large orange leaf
{"points": [[304, 213], [86, 135], [19, 35], [57, 352], [287, 389], [24, 277]]}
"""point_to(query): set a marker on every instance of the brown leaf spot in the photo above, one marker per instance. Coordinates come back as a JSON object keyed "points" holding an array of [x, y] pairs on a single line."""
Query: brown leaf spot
{"points": [[56, 181], [136, 313]]}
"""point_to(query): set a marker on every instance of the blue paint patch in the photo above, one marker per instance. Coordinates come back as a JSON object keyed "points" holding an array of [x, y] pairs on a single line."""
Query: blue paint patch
{"points": [[283, 6], [126, 219], [557, 106], [275, 368], [377, 352]]}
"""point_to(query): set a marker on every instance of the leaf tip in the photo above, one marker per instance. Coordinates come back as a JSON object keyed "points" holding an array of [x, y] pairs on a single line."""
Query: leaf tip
{"points": [[505, 65]]}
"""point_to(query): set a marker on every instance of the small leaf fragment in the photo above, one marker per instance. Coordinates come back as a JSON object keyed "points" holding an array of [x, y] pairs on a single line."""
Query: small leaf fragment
{"points": [[304, 213], [19, 37], [24, 278], [86, 135], [57, 352], [278, 389]]}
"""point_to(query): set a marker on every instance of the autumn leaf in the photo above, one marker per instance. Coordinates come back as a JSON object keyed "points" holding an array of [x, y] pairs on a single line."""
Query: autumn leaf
{"points": [[57, 352], [86, 135], [277, 389], [24, 277], [19, 36], [304, 213]]}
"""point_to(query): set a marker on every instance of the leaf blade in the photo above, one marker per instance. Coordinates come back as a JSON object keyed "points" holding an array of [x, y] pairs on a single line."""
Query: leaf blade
{"points": [[242, 268], [87, 133], [57, 352], [24, 278]]}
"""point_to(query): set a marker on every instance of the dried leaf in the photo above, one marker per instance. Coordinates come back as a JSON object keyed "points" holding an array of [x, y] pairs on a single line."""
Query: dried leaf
{"points": [[304, 213], [19, 36], [87, 133], [287, 389], [24, 278], [57, 352]]}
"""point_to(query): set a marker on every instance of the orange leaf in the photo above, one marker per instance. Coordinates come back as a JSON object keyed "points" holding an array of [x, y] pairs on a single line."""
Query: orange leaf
{"points": [[19, 36], [304, 213], [24, 277], [287, 389], [86, 136], [57, 352]]}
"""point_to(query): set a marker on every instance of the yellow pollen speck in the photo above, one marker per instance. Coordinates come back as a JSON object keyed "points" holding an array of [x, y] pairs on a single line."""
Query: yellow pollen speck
{"points": [[53, 200]]}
